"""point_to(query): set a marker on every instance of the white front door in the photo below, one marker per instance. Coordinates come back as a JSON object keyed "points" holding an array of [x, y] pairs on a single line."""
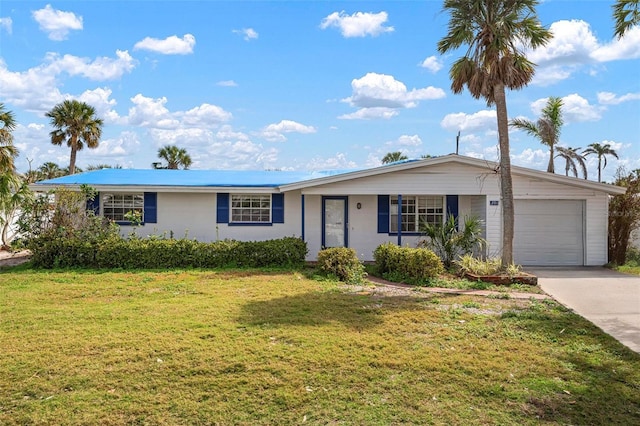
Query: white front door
{"points": [[334, 222]]}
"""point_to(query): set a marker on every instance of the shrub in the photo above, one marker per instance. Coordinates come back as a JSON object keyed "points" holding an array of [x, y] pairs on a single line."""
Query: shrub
{"points": [[448, 242], [343, 263], [492, 266], [406, 264]]}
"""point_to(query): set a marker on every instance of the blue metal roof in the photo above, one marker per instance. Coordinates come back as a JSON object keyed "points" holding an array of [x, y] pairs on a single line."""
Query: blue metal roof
{"points": [[188, 178]]}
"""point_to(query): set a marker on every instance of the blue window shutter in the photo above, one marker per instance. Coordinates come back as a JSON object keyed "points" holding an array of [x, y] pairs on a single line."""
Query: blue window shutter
{"points": [[452, 207], [94, 205], [222, 209], [150, 207], [277, 208], [383, 214]]}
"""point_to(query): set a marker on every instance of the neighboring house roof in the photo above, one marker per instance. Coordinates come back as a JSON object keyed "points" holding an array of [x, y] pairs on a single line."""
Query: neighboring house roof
{"points": [[273, 181]]}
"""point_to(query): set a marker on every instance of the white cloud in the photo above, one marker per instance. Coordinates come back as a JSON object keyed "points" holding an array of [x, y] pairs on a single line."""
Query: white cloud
{"points": [[7, 24], [575, 108], [100, 99], [337, 162], [247, 33], [608, 98], [484, 120], [359, 24], [432, 63], [34, 90], [378, 95], [574, 46], [108, 150], [275, 132], [227, 83], [172, 45], [406, 140], [100, 69], [370, 114], [204, 115], [57, 23]]}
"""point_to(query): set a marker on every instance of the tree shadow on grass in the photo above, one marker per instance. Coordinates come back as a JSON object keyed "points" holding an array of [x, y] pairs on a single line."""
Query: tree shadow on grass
{"points": [[356, 311]]}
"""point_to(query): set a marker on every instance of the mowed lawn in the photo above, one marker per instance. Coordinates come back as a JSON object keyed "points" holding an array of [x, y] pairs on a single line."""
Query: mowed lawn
{"points": [[249, 347]]}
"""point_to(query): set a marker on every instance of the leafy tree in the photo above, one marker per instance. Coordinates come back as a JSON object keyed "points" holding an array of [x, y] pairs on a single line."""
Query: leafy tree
{"points": [[626, 14], [624, 215], [102, 166], [496, 32], [75, 123], [174, 156], [392, 157], [546, 129], [572, 159], [601, 151]]}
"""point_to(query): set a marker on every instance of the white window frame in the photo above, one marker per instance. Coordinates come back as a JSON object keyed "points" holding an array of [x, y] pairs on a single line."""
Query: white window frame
{"points": [[250, 208], [416, 209], [115, 205]]}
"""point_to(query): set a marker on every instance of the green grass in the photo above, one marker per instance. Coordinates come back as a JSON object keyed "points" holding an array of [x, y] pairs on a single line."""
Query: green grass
{"points": [[244, 347]]}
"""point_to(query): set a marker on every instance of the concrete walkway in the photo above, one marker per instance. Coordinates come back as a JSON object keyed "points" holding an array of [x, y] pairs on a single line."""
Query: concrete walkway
{"points": [[607, 298]]}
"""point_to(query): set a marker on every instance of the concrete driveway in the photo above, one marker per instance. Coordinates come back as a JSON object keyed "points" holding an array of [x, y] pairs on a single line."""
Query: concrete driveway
{"points": [[608, 299]]}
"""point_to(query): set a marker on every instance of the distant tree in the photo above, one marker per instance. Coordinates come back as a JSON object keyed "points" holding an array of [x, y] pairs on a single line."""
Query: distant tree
{"points": [[626, 14], [50, 170], [32, 176], [392, 157], [601, 151], [572, 159], [495, 35], [423, 156], [546, 129], [92, 167], [77, 124], [175, 157], [624, 215]]}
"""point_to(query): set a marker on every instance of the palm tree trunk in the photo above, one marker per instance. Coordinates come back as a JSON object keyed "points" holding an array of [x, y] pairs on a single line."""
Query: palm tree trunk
{"points": [[72, 159], [599, 168], [506, 183], [551, 167]]}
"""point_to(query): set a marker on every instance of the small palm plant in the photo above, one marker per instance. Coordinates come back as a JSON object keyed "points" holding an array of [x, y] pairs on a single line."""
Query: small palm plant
{"points": [[449, 242]]}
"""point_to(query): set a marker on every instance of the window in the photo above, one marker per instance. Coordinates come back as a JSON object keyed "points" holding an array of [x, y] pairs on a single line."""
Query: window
{"points": [[415, 211], [250, 208], [115, 206]]}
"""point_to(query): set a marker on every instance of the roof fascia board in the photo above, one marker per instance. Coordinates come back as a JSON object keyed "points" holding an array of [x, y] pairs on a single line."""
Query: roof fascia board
{"points": [[162, 188]]}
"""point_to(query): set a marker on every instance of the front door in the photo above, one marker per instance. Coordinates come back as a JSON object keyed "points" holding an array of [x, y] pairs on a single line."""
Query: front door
{"points": [[334, 222]]}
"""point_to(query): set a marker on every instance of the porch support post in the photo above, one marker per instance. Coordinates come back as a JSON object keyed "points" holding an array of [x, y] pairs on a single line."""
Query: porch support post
{"points": [[400, 219], [302, 210]]}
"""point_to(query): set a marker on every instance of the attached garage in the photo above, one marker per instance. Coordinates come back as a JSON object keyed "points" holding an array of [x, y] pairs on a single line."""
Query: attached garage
{"points": [[549, 232]]}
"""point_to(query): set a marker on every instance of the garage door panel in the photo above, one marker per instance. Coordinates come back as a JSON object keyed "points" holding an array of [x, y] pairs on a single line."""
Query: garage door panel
{"points": [[549, 232]]}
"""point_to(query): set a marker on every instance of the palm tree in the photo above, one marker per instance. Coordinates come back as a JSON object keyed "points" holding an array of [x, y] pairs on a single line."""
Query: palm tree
{"points": [[601, 151], [496, 33], [626, 13], [174, 156], [546, 129], [572, 159], [50, 170], [8, 152], [392, 157], [76, 124]]}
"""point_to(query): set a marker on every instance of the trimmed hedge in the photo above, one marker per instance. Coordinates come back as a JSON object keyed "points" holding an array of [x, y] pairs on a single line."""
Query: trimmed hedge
{"points": [[343, 263], [138, 253], [406, 264]]}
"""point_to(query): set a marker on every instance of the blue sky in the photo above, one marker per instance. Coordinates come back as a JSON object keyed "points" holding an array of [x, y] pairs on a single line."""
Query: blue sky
{"points": [[300, 85]]}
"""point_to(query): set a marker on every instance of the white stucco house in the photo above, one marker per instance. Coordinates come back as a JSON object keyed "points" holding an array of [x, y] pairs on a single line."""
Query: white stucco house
{"points": [[559, 220]]}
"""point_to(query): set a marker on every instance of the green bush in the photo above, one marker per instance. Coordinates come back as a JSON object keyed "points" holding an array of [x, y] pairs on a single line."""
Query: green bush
{"points": [[406, 264], [343, 263], [490, 266], [150, 253]]}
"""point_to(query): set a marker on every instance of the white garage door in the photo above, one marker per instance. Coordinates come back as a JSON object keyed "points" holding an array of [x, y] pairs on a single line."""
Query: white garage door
{"points": [[549, 232]]}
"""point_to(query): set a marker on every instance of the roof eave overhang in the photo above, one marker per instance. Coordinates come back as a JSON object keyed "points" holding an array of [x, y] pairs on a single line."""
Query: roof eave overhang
{"points": [[160, 188]]}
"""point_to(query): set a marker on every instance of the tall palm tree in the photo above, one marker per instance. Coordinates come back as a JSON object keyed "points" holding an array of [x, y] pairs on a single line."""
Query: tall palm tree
{"points": [[601, 151], [174, 156], [626, 13], [392, 157], [573, 158], [8, 151], [75, 123], [495, 33], [546, 129]]}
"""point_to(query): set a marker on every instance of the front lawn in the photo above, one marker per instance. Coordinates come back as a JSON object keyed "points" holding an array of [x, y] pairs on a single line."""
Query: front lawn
{"points": [[242, 347]]}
